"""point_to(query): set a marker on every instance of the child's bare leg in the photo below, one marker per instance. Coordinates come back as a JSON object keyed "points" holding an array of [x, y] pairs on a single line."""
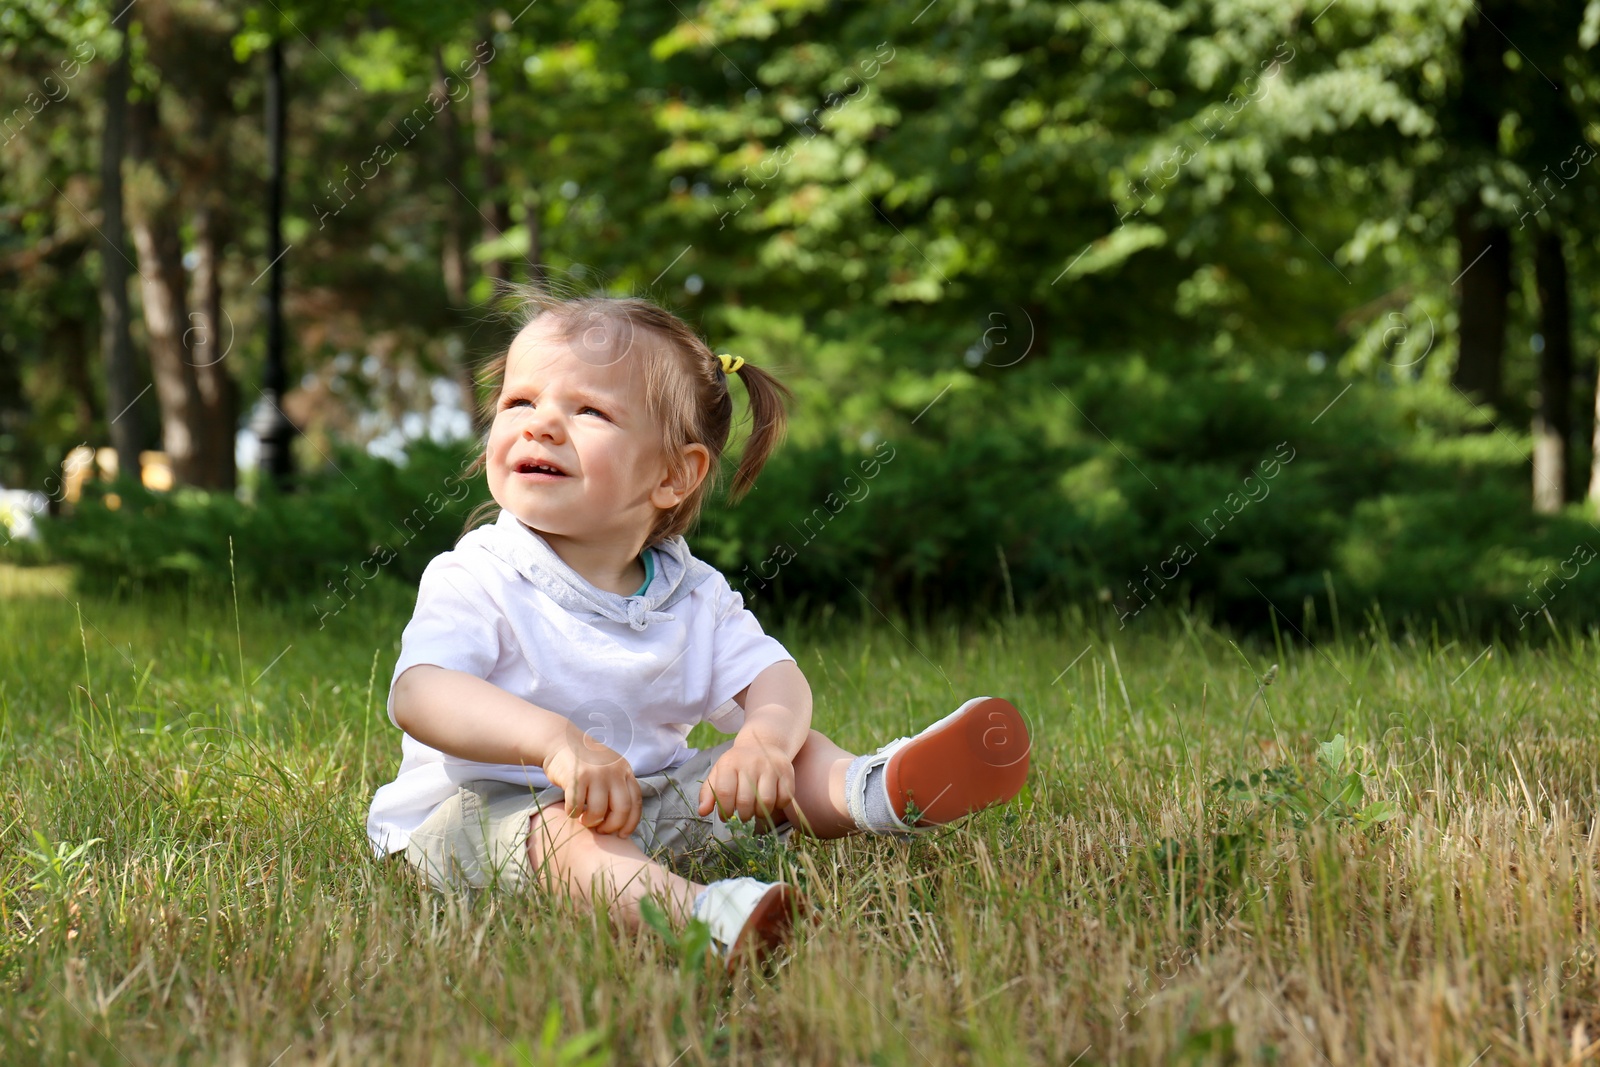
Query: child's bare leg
{"points": [[570, 855], [819, 804]]}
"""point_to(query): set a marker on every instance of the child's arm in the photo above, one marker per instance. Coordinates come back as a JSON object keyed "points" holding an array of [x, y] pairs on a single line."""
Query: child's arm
{"points": [[778, 709], [470, 718], [756, 775]]}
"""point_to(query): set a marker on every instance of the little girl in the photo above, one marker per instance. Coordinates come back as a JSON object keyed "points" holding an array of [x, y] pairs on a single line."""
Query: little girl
{"points": [[559, 657]]}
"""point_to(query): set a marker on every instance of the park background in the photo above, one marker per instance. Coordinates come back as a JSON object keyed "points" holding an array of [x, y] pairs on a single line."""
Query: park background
{"points": [[1218, 379], [1072, 279]]}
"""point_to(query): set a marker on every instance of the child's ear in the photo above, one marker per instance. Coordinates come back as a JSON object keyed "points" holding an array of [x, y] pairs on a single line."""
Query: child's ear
{"points": [[677, 485]]}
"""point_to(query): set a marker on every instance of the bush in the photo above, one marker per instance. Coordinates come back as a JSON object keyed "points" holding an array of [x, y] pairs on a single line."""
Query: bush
{"points": [[1152, 481], [360, 521], [1160, 481]]}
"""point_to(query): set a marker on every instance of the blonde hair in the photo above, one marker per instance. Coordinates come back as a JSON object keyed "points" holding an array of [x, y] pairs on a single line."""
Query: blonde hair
{"points": [[687, 394]]}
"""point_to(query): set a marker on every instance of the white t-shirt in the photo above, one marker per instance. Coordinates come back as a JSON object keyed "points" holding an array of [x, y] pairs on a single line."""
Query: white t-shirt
{"points": [[637, 688]]}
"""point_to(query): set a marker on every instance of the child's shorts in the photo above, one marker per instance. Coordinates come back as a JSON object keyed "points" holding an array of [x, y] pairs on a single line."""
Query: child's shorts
{"points": [[479, 837]]}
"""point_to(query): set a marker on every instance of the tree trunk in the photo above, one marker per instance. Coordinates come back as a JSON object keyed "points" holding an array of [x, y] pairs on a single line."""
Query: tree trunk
{"points": [[69, 337], [1483, 268], [1594, 463], [272, 427], [1483, 288], [162, 285], [452, 255], [210, 340], [1552, 422], [165, 319], [493, 208], [116, 342], [453, 250], [207, 169]]}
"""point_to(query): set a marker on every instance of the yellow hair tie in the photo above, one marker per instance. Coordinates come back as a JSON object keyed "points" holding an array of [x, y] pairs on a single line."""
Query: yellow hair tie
{"points": [[730, 364]]}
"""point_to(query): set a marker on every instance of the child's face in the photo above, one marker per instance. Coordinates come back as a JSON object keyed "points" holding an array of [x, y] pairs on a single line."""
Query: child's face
{"points": [[571, 451]]}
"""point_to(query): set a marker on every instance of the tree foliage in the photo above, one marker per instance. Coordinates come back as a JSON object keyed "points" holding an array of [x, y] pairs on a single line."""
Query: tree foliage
{"points": [[1082, 265]]}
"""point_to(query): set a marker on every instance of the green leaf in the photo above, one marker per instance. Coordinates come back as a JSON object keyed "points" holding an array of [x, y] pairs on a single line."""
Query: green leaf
{"points": [[696, 939], [1115, 247], [656, 918], [1379, 811], [1353, 790], [552, 1027], [1331, 754]]}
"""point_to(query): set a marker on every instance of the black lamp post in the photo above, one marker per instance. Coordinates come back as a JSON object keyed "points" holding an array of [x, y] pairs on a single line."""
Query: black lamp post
{"points": [[270, 425]]}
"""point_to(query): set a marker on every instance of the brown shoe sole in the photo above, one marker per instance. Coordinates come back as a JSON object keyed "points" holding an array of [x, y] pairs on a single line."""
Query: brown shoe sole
{"points": [[974, 759], [769, 925]]}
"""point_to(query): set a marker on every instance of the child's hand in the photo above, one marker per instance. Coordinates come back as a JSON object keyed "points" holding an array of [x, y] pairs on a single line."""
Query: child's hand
{"points": [[752, 778], [602, 792]]}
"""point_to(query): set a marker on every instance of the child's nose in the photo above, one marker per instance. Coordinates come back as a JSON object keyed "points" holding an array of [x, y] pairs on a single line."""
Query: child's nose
{"points": [[543, 423]]}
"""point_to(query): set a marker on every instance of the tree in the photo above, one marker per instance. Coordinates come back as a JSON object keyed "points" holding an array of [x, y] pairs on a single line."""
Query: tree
{"points": [[1484, 258], [181, 179], [116, 342], [1552, 425]]}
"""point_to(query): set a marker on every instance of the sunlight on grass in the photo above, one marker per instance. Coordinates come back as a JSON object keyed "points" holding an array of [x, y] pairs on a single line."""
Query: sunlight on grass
{"points": [[19, 583], [1215, 861]]}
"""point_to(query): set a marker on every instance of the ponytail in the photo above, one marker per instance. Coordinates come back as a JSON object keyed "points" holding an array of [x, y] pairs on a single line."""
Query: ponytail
{"points": [[768, 419]]}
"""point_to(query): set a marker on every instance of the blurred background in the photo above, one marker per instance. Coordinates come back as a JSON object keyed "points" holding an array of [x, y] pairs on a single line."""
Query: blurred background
{"points": [[1284, 312]]}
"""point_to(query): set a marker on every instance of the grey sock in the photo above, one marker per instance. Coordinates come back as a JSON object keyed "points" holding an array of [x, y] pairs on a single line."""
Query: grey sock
{"points": [[880, 812]]}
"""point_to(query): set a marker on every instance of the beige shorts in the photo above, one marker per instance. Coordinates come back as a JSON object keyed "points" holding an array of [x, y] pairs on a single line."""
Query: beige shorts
{"points": [[479, 837]]}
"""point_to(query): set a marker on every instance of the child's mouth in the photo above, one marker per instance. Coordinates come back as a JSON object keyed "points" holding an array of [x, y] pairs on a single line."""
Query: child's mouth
{"points": [[535, 469]]}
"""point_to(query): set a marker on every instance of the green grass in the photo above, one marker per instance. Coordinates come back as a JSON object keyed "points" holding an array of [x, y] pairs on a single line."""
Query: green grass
{"points": [[184, 875]]}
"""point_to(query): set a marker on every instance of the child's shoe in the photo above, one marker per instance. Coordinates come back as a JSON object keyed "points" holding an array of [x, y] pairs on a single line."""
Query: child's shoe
{"points": [[973, 758], [747, 912]]}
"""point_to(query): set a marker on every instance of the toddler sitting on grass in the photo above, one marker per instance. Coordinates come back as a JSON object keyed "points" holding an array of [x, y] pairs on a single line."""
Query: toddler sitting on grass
{"points": [[559, 656]]}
